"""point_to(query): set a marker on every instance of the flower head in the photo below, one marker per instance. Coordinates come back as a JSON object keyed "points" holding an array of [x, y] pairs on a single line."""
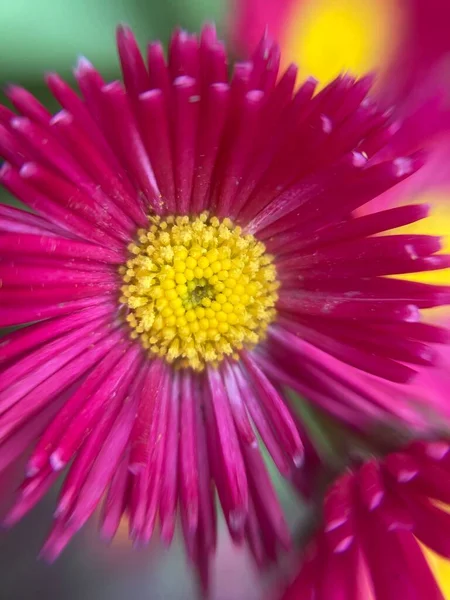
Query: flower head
{"points": [[190, 252], [327, 37], [382, 522], [402, 40]]}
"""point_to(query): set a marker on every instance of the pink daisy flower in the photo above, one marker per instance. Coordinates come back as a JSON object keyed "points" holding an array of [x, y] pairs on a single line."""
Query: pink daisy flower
{"points": [[382, 522], [407, 45], [190, 254]]}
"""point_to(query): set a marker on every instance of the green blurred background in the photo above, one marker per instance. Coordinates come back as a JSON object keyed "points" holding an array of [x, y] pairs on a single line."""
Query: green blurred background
{"points": [[42, 35]]}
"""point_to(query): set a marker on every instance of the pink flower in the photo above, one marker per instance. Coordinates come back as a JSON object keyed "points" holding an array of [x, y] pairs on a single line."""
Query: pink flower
{"points": [[382, 522], [404, 41], [189, 254], [406, 46]]}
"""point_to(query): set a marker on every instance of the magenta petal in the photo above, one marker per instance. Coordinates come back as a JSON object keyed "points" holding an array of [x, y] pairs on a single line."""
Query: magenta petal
{"points": [[156, 466], [23, 340], [207, 531], [72, 438], [44, 393], [133, 67], [228, 466], [212, 124], [15, 182], [287, 240], [388, 568], [27, 104], [372, 396], [17, 315], [183, 54], [276, 408], [52, 247], [273, 113], [305, 585], [275, 445], [342, 538], [434, 482], [99, 167], [237, 404], [29, 496], [80, 468], [12, 149], [189, 491], [56, 541], [74, 406], [395, 515], [17, 443], [424, 580], [337, 503], [170, 478], [255, 538], [337, 576], [186, 114], [146, 440], [76, 107], [153, 121], [130, 143], [431, 524], [240, 150], [116, 501], [107, 459], [89, 202], [23, 376], [371, 486], [157, 69], [264, 498], [13, 220], [402, 466]]}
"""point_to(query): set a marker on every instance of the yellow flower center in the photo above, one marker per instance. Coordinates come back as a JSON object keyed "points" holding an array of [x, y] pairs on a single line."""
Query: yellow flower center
{"points": [[198, 289]]}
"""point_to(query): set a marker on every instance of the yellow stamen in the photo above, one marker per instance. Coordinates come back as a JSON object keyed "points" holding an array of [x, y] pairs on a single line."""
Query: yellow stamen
{"points": [[198, 289]]}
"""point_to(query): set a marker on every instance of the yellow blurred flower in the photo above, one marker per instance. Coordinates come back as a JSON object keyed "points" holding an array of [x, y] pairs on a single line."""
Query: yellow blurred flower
{"points": [[327, 37]]}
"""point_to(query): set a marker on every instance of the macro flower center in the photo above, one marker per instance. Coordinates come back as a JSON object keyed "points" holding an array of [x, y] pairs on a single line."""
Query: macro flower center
{"points": [[198, 289]]}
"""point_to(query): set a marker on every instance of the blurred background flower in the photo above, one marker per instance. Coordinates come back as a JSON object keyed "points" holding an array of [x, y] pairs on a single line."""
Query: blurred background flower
{"points": [[380, 518], [401, 38], [326, 37]]}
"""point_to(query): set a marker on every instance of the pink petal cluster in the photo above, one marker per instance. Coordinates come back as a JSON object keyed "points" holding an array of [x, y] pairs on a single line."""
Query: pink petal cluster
{"points": [[375, 519]]}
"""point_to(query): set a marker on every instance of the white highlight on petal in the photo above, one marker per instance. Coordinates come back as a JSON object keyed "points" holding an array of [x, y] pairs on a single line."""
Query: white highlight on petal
{"points": [[55, 461], [403, 166]]}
